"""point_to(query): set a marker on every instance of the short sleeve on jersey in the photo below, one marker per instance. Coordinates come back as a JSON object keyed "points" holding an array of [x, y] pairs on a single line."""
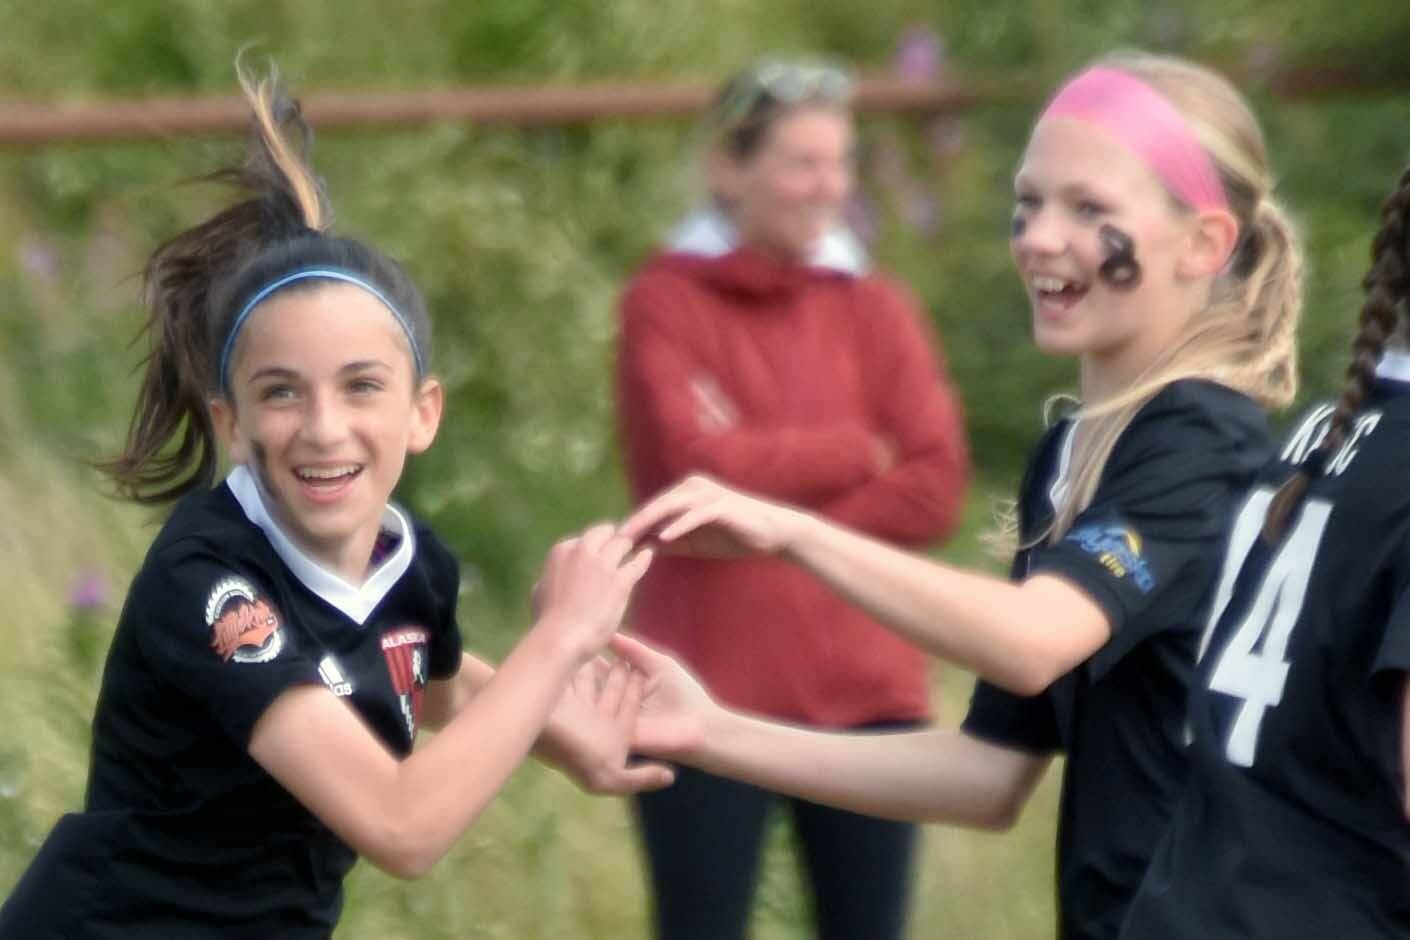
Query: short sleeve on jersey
{"points": [[1146, 547], [1014, 721], [446, 644], [214, 633], [445, 652]]}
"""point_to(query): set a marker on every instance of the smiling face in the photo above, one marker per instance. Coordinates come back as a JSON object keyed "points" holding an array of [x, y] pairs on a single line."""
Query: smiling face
{"points": [[785, 196], [325, 407], [1074, 180]]}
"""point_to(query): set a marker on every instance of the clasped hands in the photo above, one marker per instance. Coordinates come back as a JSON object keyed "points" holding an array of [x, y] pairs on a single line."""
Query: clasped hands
{"points": [[640, 701]]}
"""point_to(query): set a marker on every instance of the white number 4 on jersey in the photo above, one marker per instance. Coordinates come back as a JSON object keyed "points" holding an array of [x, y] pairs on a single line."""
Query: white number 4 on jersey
{"points": [[1248, 669]]}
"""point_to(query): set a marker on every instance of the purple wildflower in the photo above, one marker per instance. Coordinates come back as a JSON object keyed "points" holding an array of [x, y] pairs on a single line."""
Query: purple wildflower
{"points": [[920, 55], [39, 259], [89, 591]]}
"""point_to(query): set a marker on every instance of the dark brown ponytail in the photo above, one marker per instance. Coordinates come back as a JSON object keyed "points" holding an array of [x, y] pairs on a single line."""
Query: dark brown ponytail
{"points": [[1387, 287]]}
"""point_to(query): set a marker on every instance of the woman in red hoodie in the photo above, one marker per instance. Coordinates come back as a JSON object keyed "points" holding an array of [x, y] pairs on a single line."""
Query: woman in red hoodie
{"points": [[758, 348]]}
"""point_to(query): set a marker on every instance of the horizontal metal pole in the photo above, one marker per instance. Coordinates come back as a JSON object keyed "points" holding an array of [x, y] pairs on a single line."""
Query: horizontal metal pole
{"points": [[27, 124], [32, 124]]}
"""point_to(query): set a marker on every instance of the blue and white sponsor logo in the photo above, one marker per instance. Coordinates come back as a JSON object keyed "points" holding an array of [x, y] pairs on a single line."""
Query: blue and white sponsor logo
{"points": [[1118, 549]]}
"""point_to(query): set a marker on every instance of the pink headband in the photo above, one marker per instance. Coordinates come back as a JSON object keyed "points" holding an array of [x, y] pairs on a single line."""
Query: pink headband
{"points": [[1145, 122]]}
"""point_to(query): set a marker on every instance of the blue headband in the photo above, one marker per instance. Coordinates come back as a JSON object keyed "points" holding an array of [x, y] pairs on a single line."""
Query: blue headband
{"points": [[327, 274]]}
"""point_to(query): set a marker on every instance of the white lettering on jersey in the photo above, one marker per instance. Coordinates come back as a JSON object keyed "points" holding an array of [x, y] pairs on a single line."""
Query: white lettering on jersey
{"points": [[1364, 426], [1308, 435], [1313, 431], [332, 676], [402, 638]]}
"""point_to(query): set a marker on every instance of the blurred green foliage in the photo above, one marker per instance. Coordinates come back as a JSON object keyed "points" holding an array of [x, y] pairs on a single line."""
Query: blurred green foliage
{"points": [[521, 239]]}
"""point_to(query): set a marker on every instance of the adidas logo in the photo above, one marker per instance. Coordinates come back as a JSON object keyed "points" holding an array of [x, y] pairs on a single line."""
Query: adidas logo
{"points": [[333, 677]]}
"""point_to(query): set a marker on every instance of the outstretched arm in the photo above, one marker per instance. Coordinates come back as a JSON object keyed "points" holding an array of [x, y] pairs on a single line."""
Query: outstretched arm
{"points": [[941, 775], [1020, 636], [931, 776], [404, 814]]}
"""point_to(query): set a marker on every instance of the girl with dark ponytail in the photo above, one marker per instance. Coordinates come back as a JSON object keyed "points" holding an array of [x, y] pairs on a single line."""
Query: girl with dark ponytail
{"points": [[290, 629], [1294, 822]]}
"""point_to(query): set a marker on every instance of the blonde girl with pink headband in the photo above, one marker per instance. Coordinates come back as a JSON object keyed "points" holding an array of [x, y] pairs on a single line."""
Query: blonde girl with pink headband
{"points": [[1153, 253]]}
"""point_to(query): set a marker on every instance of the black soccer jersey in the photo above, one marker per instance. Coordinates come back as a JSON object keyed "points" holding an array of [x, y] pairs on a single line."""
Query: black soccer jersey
{"points": [[182, 833], [1293, 823], [1147, 550]]}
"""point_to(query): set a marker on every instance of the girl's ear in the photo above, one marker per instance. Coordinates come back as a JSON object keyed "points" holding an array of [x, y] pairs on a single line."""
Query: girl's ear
{"points": [[1211, 244], [426, 412], [227, 429]]}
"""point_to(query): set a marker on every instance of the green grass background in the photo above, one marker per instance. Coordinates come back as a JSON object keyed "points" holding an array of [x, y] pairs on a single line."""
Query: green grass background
{"points": [[521, 240]]}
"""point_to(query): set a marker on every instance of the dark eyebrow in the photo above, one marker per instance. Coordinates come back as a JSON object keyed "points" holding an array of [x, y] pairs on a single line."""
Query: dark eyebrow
{"points": [[1023, 183], [274, 372], [1080, 191], [365, 365], [288, 374]]}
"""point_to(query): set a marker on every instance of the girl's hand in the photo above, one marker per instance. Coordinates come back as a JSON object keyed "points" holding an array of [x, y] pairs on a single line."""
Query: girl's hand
{"points": [[676, 711], [589, 734], [585, 586], [707, 519]]}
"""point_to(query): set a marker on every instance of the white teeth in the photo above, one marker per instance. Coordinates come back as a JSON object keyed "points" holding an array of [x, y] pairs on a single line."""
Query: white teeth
{"points": [[1048, 284], [327, 473]]}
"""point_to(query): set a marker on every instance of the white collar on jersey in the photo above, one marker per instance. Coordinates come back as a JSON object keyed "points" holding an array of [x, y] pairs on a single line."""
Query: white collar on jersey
{"points": [[710, 233], [357, 601], [1394, 365]]}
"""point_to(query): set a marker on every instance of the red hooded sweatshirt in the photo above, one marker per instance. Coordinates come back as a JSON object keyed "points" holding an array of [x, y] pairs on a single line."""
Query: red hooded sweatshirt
{"points": [[781, 379]]}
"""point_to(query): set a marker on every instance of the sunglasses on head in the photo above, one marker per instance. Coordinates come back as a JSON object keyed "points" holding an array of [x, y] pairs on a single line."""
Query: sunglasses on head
{"points": [[781, 84]]}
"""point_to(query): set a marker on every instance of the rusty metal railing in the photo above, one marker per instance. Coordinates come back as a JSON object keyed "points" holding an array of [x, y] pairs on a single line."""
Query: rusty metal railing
{"points": [[26, 124]]}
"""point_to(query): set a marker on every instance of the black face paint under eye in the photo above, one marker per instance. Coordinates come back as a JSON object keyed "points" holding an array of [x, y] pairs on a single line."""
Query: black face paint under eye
{"points": [[1120, 270], [1018, 224], [259, 455]]}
